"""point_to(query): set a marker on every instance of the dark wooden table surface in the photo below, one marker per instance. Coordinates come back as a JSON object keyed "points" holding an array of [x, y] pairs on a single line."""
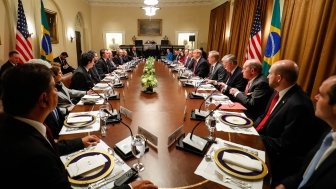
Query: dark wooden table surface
{"points": [[161, 113]]}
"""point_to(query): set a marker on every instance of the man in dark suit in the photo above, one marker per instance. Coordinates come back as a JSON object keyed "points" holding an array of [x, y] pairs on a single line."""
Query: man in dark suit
{"points": [[288, 127], [189, 62], [28, 143], [234, 78], [13, 60], [134, 53], [201, 66], [82, 78], [319, 169], [118, 58], [103, 65], [94, 72], [257, 92], [217, 71], [65, 67]]}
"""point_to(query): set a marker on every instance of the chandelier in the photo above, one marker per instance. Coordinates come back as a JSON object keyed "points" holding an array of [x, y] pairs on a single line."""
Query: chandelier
{"points": [[150, 9]]}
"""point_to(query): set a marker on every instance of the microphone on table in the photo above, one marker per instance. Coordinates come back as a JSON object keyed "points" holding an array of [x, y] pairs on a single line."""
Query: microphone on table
{"points": [[211, 112], [206, 100], [193, 94], [196, 145], [109, 84], [112, 118], [108, 112]]}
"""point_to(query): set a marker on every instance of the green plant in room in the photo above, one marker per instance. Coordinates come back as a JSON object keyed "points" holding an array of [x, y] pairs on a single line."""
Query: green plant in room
{"points": [[148, 78]]}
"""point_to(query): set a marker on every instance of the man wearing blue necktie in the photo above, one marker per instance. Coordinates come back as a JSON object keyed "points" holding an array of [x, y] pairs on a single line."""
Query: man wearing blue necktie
{"points": [[319, 170]]}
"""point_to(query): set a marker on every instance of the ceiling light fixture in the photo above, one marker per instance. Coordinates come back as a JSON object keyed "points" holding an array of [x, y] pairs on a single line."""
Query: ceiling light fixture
{"points": [[150, 10]]}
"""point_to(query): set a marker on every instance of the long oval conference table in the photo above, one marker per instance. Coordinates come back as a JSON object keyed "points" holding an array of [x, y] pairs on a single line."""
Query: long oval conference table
{"points": [[162, 113]]}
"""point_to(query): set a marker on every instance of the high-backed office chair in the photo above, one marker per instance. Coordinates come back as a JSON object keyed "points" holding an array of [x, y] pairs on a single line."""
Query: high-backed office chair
{"points": [[66, 79]]}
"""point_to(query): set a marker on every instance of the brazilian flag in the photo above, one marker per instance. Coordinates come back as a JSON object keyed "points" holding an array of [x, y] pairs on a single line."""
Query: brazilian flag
{"points": [[46, 50], [272, 53]]}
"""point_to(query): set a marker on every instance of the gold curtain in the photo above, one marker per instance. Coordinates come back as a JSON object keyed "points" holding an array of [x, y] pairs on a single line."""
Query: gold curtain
{"points": [[241, 25], [309, 38], [219, 24]]}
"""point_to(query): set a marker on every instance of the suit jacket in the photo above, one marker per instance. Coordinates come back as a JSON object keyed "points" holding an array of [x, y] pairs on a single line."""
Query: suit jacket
{"points": [[31, 155], [235, 80], [65, 67], [81, 80], [95, 75], [136, 54], [118, 60], [257, 97], [5, 67], [218, 73], [104, 67], [290, 132], [188, 63], [323, 176], [202, 68], [66, 96]]}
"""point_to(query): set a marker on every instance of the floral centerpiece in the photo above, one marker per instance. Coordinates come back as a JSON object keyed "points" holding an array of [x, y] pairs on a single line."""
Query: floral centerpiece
{"points": [[148, 78]]}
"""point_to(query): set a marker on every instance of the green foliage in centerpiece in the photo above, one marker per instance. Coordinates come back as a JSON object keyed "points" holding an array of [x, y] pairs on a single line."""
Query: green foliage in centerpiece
{"points": [[148, 78]]}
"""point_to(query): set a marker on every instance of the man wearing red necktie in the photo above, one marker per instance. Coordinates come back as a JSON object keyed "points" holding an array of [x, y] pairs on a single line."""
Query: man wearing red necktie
{"points": [[257, 91], [287, 127]]}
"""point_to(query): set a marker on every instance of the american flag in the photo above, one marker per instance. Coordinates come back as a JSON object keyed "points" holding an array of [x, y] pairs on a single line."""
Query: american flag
{"points": [[23, 45], [253, 50]]}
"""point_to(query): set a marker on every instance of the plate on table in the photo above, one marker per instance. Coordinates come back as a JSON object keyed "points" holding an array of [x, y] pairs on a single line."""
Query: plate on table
{"points": [[95, 174], [101, 85], [239, 171], [236, 120], [80, 120]]}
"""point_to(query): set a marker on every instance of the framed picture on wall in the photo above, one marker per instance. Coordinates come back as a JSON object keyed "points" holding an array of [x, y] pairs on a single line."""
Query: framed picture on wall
{"points": [[52, 23], [149, 27]]}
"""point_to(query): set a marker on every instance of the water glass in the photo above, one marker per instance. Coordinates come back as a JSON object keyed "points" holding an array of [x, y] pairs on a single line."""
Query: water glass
{"points": [[104, 114], [211, 125], [138, 146]]}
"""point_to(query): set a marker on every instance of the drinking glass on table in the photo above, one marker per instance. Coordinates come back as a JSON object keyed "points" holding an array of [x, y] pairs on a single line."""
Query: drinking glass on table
{"points": [[108, 93], [138, 146], [210, 122], [104, 113]]}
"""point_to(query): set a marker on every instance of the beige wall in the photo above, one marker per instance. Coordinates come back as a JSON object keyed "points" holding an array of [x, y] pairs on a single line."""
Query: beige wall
{"points": [[124, 19], [66, 16], [95, 21]]}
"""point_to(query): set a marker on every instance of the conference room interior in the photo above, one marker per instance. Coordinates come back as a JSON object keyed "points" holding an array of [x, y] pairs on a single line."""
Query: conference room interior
{"points": [[307, 30]]}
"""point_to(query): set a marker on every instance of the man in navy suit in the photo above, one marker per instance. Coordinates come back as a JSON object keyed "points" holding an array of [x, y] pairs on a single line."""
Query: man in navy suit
{"points": [[217, 71], [288, 126], [323, 175], [257, 91], [201, 66]]}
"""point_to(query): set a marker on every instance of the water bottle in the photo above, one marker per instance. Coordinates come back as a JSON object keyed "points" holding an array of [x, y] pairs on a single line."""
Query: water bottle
{"points": [[210, 122]]}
